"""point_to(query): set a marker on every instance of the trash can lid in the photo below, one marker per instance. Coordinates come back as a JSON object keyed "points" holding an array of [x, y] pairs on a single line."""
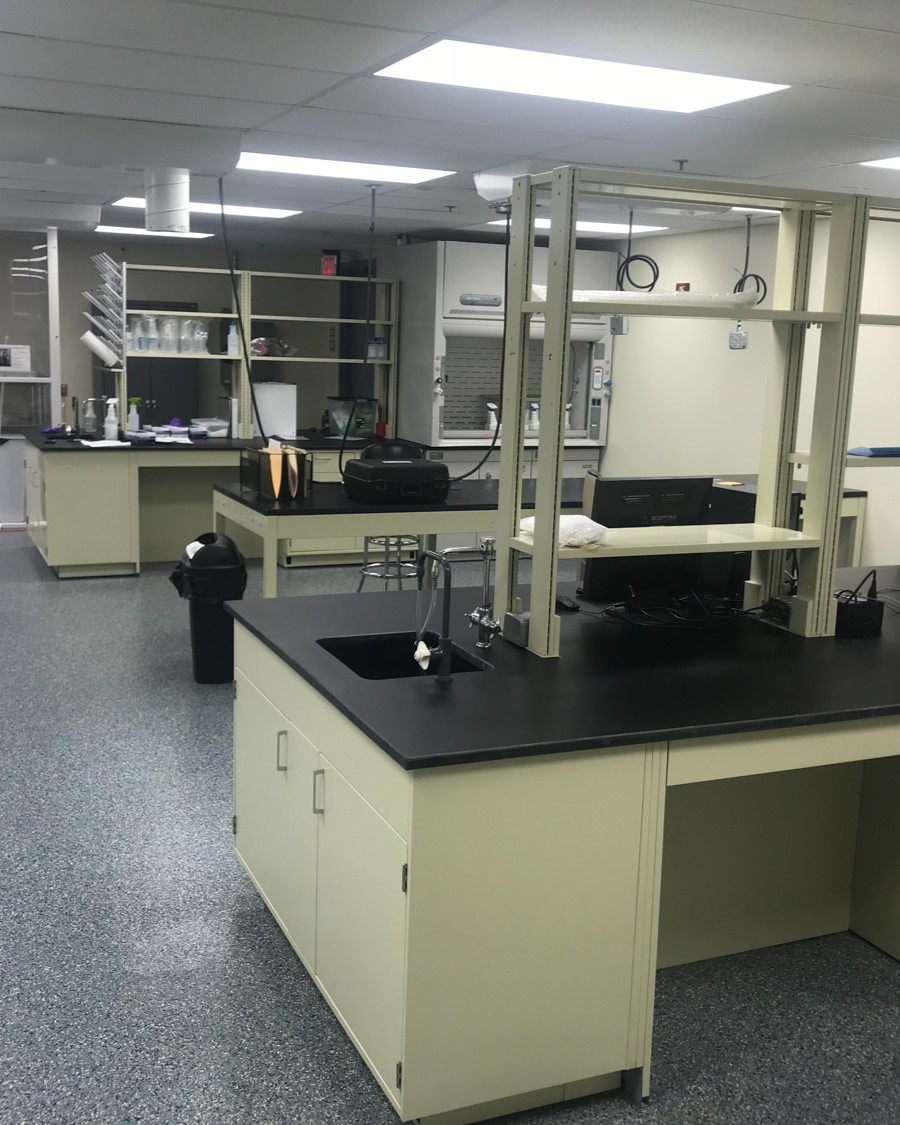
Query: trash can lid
{"points": [[212, 551]]}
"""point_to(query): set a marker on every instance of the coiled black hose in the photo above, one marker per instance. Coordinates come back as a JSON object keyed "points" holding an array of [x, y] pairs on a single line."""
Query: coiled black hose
{"points": [[623, 273], [741, 284]]}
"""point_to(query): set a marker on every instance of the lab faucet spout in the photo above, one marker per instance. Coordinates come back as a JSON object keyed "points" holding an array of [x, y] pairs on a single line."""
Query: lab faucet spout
{"points": [[443, 651]]}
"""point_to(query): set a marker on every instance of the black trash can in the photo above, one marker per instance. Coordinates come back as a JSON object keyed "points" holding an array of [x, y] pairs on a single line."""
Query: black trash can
{"points": [[211, 571]]}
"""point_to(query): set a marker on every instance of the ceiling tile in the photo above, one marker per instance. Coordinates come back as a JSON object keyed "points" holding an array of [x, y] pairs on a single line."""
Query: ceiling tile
{"points": [[143, 105], [880, 15], [403, 15], [202, 31], [695, 35], [818, 107], [718, 148], [373, 128], [422, 101], [29, 57], [333, 148]]}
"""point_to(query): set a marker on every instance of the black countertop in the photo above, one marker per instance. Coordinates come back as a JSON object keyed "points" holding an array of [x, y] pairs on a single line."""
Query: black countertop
{"points": [[614, 685], [329, 498], [311, 440]]}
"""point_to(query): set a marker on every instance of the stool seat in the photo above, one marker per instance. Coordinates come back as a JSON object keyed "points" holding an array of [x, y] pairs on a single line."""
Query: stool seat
{"points": [[388, 565]]}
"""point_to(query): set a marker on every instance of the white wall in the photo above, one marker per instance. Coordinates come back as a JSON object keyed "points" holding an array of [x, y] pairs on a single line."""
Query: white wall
{"points": [[683, 403]]}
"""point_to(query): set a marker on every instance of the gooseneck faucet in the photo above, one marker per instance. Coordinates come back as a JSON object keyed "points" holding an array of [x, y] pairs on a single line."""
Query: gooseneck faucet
{"points": [[443, 651], [481, 616]]}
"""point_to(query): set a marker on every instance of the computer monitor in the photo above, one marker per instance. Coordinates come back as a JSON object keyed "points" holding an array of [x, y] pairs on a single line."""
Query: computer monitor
{"points": [[644, 502]]}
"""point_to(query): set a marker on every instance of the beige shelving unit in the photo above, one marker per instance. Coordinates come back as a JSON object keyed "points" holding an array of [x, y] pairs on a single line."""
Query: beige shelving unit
{"points": [[383, 323], [791, 316]]}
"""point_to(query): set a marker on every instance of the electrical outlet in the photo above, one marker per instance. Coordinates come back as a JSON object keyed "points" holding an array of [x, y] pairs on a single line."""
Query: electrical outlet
{"points": [[738, 340]]}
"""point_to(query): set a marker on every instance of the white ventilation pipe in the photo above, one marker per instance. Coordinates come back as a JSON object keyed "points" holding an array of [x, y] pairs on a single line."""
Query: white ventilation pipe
{"points": [[167, 192]]}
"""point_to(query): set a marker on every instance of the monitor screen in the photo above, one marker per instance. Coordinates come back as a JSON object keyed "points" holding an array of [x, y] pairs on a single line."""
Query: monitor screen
{"points": [[644, 502]]}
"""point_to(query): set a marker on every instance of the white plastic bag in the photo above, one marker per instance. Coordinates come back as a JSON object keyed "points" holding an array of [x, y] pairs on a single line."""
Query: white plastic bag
{"points": [[574, 531]]}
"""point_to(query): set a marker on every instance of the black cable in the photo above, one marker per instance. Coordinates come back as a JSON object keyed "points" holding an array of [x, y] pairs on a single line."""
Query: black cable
{"points": [[367, 330], [693, 611], [490, 449], [623, 273], [237, 306], [740, 285]]}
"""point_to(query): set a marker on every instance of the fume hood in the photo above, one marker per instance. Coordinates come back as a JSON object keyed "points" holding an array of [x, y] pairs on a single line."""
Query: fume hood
{"points": [[451, 340]]}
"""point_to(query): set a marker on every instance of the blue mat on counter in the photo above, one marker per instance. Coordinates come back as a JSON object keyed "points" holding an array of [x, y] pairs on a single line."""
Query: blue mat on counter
{"points": [[875, 451]]}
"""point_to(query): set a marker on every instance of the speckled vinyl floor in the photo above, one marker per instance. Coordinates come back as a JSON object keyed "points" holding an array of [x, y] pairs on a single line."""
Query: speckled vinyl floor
{"points": [[143, 981]]}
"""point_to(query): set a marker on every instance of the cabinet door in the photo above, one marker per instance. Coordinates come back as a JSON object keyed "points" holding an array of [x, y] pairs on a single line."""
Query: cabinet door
{"points": [[35, 508], [361, 921], [275, 834]]}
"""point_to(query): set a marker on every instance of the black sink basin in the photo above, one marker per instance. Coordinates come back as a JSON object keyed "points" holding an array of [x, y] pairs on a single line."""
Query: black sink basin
{"points": [[389, 656]]}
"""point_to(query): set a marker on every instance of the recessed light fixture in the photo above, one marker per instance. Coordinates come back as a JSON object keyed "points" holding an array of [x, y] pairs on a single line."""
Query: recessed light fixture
{"points": [[756, 210], [214, 209], [889, 162], [566, 76], [588, 227], [337, 169], [153, 233]]}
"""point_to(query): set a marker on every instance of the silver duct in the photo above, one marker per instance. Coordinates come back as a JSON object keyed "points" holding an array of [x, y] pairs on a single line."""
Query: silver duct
{"points": [[167, 193]]}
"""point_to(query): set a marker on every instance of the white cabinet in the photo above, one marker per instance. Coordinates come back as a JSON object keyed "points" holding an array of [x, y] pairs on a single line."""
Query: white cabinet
{"points": [[467, 970], [361, 919], [81, 511], [274, 829]]}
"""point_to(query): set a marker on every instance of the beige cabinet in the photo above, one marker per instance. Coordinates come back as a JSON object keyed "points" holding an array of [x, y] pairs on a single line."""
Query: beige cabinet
{"points": [[81, 511], [274, 831], [484, 933]]}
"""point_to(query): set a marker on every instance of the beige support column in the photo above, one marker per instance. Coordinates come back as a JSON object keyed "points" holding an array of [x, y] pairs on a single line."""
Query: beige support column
{"points": [[813, 610], [515, 379], [543, 638], [790, 291]]}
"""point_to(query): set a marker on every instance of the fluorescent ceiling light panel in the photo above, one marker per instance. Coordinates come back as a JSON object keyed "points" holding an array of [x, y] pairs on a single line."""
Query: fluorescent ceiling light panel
{"points": [[151, 233], [889, 162], [587, 227], [338, 169], [214, 209], [756, 210], [565, 76]]}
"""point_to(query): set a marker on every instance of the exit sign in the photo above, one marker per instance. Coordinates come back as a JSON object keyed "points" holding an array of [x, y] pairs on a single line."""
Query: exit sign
{"points": [[330, 264]]}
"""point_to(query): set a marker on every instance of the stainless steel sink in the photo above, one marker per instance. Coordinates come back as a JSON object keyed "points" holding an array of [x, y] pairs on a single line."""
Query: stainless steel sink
{"points": [[389, 656]]}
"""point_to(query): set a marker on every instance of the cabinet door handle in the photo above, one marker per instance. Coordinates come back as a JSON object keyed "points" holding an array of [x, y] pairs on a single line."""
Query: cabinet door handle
{"points": [[316, 775], [281, 741]]}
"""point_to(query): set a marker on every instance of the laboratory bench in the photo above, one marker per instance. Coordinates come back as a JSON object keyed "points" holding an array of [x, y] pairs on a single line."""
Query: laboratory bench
{"points": [[482, 877], [103, 511], [329, 518]]}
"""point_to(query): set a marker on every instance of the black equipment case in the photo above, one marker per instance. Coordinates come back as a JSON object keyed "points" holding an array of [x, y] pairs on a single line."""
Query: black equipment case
{"points": [[411, 481]]}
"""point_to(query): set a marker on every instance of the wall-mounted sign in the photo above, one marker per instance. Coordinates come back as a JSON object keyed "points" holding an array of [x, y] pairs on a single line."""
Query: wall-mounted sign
{"points": [[14, 357]]}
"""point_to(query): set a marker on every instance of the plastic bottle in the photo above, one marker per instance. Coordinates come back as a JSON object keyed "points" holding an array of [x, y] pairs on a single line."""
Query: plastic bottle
{"points": [[111, 422], [152, 334], [233, 339], [89, 421], [134, 422]]}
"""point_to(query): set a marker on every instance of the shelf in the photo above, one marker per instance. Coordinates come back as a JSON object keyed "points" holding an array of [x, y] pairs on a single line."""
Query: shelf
{"points": [[884, 321], [701, 312], [692, 540], [314, 319], [170, 312], [26, 377], [180, 355], [311, 359], [852, 462]]}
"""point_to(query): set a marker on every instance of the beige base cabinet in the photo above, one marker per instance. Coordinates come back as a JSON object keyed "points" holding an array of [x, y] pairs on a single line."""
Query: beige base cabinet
{"points": [[484, 933], [81, 512]]}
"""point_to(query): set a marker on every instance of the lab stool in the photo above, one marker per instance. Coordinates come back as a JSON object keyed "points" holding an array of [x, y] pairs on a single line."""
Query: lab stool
{"points": [[389, 564]]}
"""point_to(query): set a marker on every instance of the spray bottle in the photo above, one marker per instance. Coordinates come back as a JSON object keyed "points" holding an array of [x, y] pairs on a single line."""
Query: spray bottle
{"points": [[89, 421], [111, 422], [232, 343], [134, 421]]}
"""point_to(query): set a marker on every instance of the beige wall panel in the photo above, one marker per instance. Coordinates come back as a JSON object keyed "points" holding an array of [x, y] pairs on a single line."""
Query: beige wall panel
{"points": [[875, 913], [757, 861]]}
